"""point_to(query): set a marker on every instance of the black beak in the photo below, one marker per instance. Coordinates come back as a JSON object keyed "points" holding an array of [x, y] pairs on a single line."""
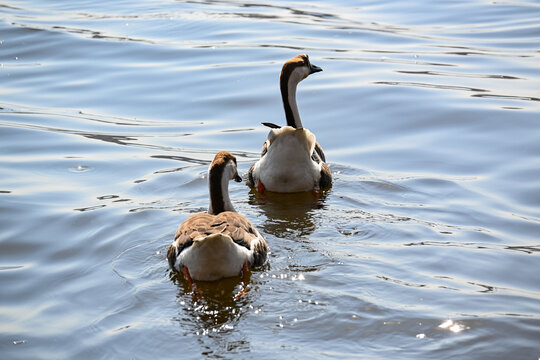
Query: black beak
{"points": [[237, 178], [314, 69]]}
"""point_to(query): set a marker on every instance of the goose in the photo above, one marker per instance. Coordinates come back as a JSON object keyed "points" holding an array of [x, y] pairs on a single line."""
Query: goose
{"points": [[221, 243], [291, 158]]}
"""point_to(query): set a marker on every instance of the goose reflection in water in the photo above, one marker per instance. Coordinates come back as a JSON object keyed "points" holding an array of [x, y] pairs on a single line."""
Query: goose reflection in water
{"points": [[288, 213], [215, 307]]}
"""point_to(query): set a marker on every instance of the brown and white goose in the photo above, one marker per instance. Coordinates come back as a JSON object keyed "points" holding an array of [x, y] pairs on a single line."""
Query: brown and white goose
{"points": [[291, 159], [221, 243]]}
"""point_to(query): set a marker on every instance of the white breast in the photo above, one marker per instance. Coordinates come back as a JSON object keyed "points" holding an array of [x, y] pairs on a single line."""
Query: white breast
{"points": [[214, 257], [287, 166]]}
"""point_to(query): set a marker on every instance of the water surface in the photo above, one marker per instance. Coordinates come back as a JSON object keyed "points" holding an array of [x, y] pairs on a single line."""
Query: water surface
{"points": [[427, 246]]}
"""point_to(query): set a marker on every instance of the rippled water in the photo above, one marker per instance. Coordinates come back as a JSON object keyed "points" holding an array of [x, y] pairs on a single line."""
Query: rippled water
{"points": [[427, 246]]}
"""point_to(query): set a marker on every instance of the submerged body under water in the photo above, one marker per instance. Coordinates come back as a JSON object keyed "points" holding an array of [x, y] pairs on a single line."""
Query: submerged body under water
{"points": [[426, 246]]}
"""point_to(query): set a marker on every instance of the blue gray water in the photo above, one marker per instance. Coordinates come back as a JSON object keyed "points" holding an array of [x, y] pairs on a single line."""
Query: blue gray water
{"points": [[426, 247]]}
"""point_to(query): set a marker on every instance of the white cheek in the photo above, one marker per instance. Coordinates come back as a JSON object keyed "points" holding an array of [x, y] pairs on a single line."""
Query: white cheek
{"points": [[299, 74], [230, 170]]}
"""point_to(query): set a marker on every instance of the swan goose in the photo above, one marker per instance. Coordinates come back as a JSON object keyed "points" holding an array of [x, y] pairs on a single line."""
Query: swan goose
{"points": [[291, 158], [221, 243]]}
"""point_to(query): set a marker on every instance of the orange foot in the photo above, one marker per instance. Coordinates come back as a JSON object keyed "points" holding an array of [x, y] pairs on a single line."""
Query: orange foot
{"points": [[260, 187], [191, 284], [243, 292]]}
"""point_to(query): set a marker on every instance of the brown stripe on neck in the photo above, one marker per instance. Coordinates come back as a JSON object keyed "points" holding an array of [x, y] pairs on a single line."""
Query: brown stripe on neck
{"points": [[215, 178], [216, 193], [283, 83]]}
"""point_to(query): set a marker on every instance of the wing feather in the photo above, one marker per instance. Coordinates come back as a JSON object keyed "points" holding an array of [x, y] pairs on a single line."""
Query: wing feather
{"points": [[229, 223]]}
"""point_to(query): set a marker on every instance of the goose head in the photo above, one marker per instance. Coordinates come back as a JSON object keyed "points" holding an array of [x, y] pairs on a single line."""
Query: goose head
{"points": [[222, 170], [294, 70], [298, 68]]}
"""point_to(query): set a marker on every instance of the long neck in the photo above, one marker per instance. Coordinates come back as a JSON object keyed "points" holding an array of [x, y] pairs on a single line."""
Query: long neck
{"points": [[288, 96], [219, 193]]}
